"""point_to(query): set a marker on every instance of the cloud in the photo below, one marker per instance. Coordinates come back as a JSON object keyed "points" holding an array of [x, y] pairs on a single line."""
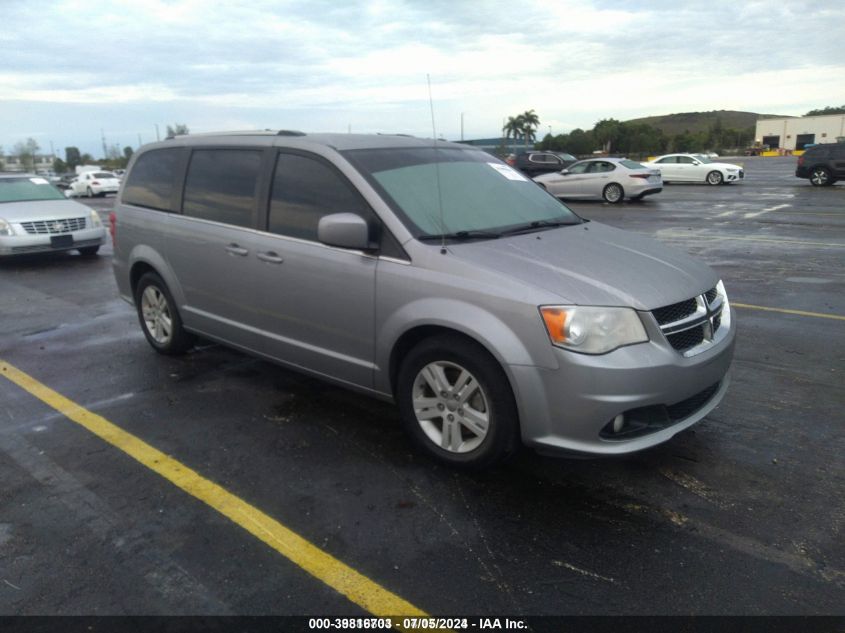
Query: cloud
{"points": [[323, 63]]}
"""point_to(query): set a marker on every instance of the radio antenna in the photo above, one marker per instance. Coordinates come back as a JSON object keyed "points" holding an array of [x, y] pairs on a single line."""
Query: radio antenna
{"points": [[437, 170]]}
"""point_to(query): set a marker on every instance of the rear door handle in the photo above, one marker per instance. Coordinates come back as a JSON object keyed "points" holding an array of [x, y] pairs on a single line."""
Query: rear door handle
{"points": [[235, 249], [270, 257]]}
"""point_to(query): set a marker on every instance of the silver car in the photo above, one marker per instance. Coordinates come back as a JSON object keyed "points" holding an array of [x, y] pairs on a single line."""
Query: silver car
{"points": [[611, 179], [429, 274], [35, 217]]}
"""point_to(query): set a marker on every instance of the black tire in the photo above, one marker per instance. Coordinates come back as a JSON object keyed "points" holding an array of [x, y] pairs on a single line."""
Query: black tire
{"points": [[820, 177], [501, 439], [714, 178], [613, 193], [178, 341], [89, 251]]}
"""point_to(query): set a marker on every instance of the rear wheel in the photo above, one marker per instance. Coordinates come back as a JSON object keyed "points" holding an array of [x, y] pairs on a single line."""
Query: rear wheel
{"points": [[715, 178], [613, 193], [820, 177], [456, 403], [159, 317]]}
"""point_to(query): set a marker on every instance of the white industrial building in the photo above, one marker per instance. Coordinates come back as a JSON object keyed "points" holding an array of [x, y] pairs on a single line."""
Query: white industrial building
{"points": [[794, 133]]}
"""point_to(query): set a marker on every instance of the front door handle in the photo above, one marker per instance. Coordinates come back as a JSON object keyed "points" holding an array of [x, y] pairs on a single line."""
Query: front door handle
{"points": [[235, 249], [270, 257]]}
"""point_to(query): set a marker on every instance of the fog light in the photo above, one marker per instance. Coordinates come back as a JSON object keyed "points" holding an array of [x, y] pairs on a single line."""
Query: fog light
{"points": [[618, 423]]}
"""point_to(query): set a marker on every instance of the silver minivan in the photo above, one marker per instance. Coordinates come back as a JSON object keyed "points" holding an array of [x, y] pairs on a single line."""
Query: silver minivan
{"points": [[429, 274]]}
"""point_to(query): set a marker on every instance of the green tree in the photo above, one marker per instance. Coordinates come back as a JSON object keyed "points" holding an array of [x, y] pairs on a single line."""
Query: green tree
{"points": [[580, 142], [59, 166], [827, 110], [26, 151], [607, 132], [2, 163], [127, 153], [177, 129], [72, 157]]}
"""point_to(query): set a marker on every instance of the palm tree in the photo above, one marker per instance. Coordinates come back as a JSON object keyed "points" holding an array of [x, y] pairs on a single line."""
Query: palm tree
{"points": [[514, 127], [530, 123]]}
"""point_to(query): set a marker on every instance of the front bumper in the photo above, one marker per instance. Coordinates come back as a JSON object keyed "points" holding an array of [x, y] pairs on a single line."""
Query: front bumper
{"points": [[568, 409], [22, 244], [734, 176]]}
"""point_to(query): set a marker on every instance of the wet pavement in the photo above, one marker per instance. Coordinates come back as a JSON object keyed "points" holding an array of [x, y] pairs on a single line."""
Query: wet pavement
{"points": [[742, 514]]}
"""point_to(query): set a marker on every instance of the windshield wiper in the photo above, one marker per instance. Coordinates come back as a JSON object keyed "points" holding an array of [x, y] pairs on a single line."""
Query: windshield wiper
{"points": [[537, 224], [461, 235]]}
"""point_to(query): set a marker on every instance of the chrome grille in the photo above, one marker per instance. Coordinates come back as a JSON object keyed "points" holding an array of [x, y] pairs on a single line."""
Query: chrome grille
{"points": [[687, 339], [690, 326], [675, 312], [53, 227]]}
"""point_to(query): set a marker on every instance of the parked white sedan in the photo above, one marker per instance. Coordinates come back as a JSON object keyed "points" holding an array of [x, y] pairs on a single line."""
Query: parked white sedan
{"points": [[613, 179], [95, 183], [696, 168]]}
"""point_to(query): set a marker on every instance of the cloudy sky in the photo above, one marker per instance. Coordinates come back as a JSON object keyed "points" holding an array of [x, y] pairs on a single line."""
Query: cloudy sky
{"points": [[71, 68]]}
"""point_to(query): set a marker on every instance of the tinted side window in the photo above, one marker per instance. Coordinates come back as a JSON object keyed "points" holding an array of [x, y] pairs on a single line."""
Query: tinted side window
{"points": [[150, 183], [578, 168], [221, 185], [304, 190], [668, 159]]}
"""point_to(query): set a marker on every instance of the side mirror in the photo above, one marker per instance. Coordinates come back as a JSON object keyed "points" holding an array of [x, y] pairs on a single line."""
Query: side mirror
{"points": [[695, 162], [564, 172], [346, 230]]}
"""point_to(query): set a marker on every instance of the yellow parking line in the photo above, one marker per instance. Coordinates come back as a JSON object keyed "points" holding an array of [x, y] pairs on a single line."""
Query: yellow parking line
{"points": [[820, 315], [364, 592]]}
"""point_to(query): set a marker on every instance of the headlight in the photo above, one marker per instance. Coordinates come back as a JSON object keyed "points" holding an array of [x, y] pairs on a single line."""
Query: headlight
{"points": [[95, 219], [5, 228], [592, 330]]}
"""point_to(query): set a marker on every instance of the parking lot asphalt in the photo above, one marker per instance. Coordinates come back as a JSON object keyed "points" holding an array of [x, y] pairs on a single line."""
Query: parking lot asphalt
{"points": [[742, 514]]}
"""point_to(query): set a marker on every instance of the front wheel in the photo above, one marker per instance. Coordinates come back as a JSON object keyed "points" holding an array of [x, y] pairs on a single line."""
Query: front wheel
{"points": [[715, 178], [456, 403], [820, 177], [613, 193], [159, 317]]}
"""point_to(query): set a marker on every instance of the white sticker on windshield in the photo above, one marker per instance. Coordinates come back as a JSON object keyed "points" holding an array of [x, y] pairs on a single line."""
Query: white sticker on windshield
{"points": [[38, 181], [507, 172]]}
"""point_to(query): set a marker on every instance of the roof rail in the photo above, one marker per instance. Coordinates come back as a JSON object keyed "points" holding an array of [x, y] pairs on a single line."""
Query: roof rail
{"points": [[242, 133]]}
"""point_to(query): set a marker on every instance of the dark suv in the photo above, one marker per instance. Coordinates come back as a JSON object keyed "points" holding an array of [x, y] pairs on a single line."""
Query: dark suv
{"points": [[539, 162], [822, 164]]}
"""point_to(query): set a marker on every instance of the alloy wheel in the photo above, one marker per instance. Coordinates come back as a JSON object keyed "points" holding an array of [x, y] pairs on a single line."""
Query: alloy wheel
{"points": [[451, 407], [156, 314]]}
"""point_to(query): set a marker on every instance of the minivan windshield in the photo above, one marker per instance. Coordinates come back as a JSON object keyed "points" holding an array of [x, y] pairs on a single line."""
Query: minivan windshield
{"points": [[26, 189], [480, 196]]}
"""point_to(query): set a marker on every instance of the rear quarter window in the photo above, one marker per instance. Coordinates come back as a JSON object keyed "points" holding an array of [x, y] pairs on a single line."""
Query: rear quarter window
{"points": [[150, 183]]}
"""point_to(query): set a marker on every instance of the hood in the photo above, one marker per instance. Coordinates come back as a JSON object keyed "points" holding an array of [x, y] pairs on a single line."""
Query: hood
{"points": [[42, 210], [723, 165], [594, 264]]}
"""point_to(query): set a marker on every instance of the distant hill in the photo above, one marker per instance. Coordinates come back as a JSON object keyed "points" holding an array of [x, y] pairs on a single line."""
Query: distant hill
{"points": [[672, 124]]}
